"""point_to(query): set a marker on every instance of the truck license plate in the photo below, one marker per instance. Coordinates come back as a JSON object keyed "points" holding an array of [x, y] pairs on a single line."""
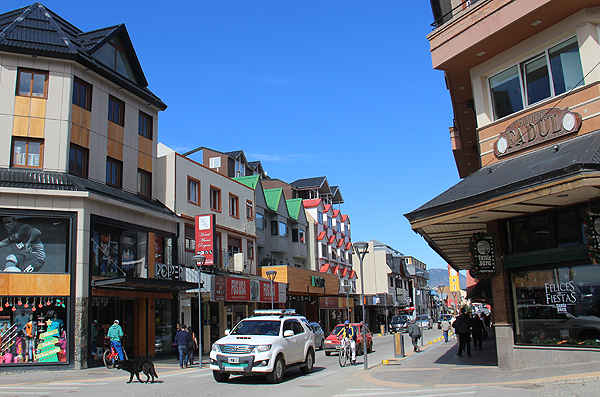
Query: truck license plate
{"points": [[233, 360]]}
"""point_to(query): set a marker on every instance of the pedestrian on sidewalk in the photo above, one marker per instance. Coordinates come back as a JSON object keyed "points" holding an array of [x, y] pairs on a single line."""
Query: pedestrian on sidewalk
{"points": [[477, 330], [414, 331], [462, 327], [445, 325], [182, 339]]}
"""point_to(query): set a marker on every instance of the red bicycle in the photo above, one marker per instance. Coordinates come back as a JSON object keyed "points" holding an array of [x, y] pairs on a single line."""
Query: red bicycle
{"points": [[110, 356]]}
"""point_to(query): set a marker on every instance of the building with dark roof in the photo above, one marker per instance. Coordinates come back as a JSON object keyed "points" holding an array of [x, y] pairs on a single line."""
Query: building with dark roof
{"points": [[85, 237], [523, 78]]}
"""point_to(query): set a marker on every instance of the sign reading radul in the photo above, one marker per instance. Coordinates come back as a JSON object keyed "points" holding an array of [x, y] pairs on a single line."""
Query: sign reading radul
{"points": [[536, 128], [205, 238]]}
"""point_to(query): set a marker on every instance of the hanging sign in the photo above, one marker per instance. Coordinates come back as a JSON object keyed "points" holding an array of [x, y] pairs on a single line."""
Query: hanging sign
{"points": [[481, 249], [205, 238]]}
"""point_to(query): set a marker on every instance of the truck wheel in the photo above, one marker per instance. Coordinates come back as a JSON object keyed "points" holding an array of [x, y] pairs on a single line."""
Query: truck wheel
{"points": [[220, 376], [309, 362], [276, 375]]}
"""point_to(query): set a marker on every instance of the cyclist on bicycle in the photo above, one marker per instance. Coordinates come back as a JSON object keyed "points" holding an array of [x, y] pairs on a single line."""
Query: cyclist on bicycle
{"points": [[347, 334], [115, 333]]}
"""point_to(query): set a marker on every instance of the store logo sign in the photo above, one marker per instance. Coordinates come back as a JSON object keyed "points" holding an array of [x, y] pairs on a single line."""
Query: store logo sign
{"points": [[536, 128]]}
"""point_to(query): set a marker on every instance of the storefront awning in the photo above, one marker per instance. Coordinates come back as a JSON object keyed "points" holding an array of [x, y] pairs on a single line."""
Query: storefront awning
{"points": [[481, 292], [554, 176], [144, 284]]}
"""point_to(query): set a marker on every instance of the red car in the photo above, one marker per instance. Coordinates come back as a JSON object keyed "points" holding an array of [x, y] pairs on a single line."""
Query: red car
{"points": [[332, 342]]}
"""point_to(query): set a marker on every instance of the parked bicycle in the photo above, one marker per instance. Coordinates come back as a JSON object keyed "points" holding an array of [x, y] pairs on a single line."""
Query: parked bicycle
{"points": [[111, 356], [345, 353]]}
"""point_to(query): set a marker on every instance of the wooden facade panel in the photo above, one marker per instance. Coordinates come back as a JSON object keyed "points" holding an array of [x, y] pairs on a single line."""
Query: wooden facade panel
{"points": [[86, 117], [145, 145], [119, 133], [144, 162], [115, 149], [36, 127], [75, 134], [85, 138], [22, 105], [35, 284], [151, 330], [76, 114], [300, 280], [20, 126], [38, 107]]}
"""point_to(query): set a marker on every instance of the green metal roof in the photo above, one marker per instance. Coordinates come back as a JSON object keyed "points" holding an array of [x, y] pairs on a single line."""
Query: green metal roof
{"points": [[272, 197], [293, 207], [251, 181]]}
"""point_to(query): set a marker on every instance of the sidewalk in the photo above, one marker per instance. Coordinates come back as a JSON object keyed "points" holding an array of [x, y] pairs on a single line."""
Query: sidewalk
{"points": [[437, 365]]}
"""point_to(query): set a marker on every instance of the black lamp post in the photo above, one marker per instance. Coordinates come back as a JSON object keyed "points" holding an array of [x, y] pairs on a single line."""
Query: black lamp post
{"points": [[199, 261], [271, 274], [361, 249]]}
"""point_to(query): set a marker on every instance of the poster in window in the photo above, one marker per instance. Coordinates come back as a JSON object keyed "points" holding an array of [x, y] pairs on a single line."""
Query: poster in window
{"points": [[35, 244]]}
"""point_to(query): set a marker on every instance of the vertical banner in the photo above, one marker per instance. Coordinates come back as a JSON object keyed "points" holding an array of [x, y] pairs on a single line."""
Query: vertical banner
{"points": [[220, 288], [205, 238]]}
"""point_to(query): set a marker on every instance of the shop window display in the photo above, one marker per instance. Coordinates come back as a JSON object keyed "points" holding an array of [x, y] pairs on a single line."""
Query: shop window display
{"points": [[32, 330], [557, 306]]}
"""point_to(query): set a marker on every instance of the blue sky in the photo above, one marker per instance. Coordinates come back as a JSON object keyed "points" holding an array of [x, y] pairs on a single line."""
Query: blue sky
{"points": [[342, 89]]}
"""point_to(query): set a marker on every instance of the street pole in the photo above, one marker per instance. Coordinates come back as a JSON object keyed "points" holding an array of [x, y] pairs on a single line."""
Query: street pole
{"points": [[199, 261], [361, 249]]}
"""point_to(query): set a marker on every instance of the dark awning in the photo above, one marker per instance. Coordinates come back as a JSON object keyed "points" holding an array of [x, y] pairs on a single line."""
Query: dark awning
{"points": [[144, 284], [481, 292]]}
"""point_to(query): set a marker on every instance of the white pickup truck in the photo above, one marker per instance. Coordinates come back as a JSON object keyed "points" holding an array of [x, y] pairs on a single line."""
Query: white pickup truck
{"points": [[270, 342]]}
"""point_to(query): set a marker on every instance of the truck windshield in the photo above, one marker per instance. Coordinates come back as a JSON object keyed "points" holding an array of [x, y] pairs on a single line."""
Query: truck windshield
{"points": [[257, 327]]}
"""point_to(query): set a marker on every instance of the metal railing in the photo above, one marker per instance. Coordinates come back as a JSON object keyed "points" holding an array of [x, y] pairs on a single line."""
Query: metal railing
{"points": [[463, 5]]}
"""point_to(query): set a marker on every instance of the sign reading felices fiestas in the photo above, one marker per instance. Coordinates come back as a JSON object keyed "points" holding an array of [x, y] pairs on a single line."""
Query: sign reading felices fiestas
{"points": [[536, 128]]}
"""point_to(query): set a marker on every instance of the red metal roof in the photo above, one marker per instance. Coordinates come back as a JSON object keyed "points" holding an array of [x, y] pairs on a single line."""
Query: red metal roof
{"points": [[336, 212], [340, 242], [331, 239], [344, 272], [321, 236], [344, 217], [334, 269], [348, 246], [352, 274], [327, 207], [311, 203], [324, 268]]}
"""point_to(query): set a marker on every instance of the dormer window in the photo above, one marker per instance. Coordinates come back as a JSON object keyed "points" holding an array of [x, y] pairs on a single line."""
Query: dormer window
{"points": [[112, 54]]}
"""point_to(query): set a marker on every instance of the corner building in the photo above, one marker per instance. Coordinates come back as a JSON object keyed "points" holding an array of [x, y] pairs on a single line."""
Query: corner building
{"points": [[524, 79], [83, 236]]}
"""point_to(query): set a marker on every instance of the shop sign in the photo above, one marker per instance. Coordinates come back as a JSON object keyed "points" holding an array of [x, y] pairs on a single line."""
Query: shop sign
{"points": [[220, 288], [205, 313], [481, 249], [329, 302], [560, 294], [205, 237], [168, 272], [238, 289], [317, 281], [536, 128], [266, 293]]}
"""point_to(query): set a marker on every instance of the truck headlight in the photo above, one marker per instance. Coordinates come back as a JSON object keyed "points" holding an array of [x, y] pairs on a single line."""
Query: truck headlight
{"points": [[216, 347], [262, 348]]}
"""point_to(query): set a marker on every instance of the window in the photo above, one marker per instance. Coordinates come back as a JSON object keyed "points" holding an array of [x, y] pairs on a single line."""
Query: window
{"points": [[78, 160], [190, 238], [297, 235], [145, 126], [112, 54], [555, 71], [324, 250], [249, 210], [144, 183], [214, 162], [193, 191], [282, 229], [215, 199], [329, 222], [320, 217], [114, 172], [260, 221], [82, 94], [116, 110], [27, 152], [234, 206], [274, 228], [32, 83], [250, 250], [240, 170]]}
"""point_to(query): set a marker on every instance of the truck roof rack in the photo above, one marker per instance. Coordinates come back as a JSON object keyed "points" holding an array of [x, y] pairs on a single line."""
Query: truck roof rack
{"points": [[275, 312]]}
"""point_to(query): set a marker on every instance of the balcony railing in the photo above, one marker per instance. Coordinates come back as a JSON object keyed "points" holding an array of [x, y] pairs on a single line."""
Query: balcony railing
{"points": [[443, 11]]}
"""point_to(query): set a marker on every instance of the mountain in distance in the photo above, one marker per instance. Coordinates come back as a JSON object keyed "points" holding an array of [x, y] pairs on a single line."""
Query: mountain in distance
{"points": [[440, 277]]}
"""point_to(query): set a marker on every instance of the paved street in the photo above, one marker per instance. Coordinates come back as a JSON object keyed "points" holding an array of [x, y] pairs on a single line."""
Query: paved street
{"points": [[436, 371]]}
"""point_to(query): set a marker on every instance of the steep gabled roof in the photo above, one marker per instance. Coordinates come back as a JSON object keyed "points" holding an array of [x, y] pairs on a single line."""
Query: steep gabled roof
{"points": [[238, 155], [272, 197], [310, 183], [294, 207], [310, 203], [36, 30], [251, 181]]}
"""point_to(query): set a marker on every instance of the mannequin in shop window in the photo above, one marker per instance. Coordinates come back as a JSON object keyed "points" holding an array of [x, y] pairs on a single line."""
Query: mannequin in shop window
{"points": [[56, 323], [30, 335]]}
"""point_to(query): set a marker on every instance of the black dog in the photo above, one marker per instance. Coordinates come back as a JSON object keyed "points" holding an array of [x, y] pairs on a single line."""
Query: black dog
{"points": [[134, 367]]}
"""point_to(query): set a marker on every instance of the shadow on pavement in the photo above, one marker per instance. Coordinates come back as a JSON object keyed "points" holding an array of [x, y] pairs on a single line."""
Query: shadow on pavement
{"points": [[486, 357]]}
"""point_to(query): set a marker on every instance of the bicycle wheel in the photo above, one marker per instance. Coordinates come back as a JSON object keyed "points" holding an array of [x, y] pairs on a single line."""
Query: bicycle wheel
{"points": [[108, 362], [343, 356]]}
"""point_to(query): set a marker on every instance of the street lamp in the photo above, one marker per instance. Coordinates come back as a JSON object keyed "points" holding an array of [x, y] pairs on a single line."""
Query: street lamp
{"points": [[199, 261], [271, 274], [361, 249]]}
